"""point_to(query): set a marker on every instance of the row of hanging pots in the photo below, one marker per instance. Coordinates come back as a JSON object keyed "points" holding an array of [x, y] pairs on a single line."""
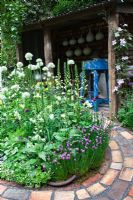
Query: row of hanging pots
{"points": [[78, 52], [89, 38]]}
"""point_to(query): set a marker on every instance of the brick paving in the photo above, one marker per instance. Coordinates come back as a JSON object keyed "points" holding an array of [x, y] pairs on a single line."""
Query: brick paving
{"points": [[115, 183]]}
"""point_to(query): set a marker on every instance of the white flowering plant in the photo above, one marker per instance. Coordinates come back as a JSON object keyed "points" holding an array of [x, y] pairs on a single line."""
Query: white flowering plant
{"points": [[121, 44], [46, 133]]}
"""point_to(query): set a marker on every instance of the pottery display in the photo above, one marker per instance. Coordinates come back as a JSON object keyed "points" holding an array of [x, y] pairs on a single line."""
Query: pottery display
{"points": [[72, 41], [77, 52], [90, 36], [81, 40], [69, 53], [65, 43], [86, 51], [99, 36]]}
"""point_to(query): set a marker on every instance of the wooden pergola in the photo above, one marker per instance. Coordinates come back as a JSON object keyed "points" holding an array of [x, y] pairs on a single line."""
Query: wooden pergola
{"points": [[108, 15]]}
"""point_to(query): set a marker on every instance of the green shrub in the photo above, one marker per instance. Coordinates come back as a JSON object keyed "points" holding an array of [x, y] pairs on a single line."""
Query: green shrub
{"points": [[125, 114], [45, 131]]}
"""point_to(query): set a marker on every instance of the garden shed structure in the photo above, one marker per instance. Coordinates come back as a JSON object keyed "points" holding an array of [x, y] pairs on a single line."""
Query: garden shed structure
{"points": [[65, 36]]}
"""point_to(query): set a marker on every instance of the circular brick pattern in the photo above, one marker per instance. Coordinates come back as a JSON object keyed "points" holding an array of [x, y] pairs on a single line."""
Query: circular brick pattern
{"points": [[116, 183]]}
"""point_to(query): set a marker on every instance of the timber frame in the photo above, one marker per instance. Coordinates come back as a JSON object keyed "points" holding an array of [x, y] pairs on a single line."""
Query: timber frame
{"points": [[112, 11]]}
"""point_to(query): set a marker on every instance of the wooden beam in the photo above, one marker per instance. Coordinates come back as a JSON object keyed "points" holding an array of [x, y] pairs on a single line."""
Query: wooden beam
{"points": [[128, 8], [47, 46], [19, 52], [112, 25]]}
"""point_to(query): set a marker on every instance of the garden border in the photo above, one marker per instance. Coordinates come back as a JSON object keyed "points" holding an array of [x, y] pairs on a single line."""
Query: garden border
{"points": [[116, 182]]}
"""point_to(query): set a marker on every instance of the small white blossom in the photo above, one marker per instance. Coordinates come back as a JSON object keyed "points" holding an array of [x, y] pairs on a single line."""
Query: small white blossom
{"points": [[70, 62], [49, 74], [28, 56], [39, 64], [17, 115], [15, 87], [63, 115], [114, 42], [51, 116], [25, 95], [120, 29], [3, 69], [4, 90], [125, 25], [120, 81], [32, 67], [115, 89], [19, 64], [117, 34], [51, 65], [118, 67], [38, 60], [21, 74], [123, 42], [45, 69], [58, 98], [125, 58]]}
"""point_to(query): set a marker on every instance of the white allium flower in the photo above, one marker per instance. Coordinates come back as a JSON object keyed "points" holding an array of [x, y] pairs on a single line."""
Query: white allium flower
{"points": [[4, 90], [117, 34], [115, 89], [28, 56], [17, 115], [58, 98], [32, 67], [114, 42], [38, 77], [12, 73], [3, 69], [38, 60], [70, 62], [51, 65], [51, 116], [120, 29], [39, 64], [49, 74], [15, 87], [123, 42], [32, 120], [37, 95], [25, 95], [63, 115], [45, 69], [22, 106], [125, 58], [21, 74], [118, 67], [120, 81], [19, 64], [2, 97], [125, 25]]}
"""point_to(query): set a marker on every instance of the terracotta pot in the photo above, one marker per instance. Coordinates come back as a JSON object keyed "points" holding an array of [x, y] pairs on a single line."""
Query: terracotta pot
{"points": [[62, 183]]}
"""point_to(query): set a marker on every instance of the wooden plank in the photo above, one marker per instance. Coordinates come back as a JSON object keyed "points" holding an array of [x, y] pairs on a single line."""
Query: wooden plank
{"points": [[47, 46], [112, 25], [19, 52]]}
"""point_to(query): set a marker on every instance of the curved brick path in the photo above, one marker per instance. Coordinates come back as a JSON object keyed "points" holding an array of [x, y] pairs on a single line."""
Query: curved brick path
{"points": [[115, 184]]}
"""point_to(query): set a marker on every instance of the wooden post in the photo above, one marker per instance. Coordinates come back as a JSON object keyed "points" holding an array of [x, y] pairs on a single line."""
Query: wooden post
{"points": [[47, 46], [19, 52], [112, 25]]}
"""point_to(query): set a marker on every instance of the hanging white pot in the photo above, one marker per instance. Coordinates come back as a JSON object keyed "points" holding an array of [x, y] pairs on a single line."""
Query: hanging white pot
{"points": [[90, 36], [69, 53], [86, 51], [81, 40], [65, 43], [99, 35], [78, 52], [72, 41]]}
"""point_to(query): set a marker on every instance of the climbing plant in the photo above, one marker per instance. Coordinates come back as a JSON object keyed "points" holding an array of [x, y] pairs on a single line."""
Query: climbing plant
{"points": [[12, 16]]}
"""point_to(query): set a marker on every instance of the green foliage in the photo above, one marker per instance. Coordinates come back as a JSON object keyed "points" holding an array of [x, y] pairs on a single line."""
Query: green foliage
{"points": [[125, 114], [12, 15], [45, 131], [65, 6]]}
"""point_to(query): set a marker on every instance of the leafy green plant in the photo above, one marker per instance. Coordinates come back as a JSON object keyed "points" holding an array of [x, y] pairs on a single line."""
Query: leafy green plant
{"points": [[125, 114], [45, 131]]}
